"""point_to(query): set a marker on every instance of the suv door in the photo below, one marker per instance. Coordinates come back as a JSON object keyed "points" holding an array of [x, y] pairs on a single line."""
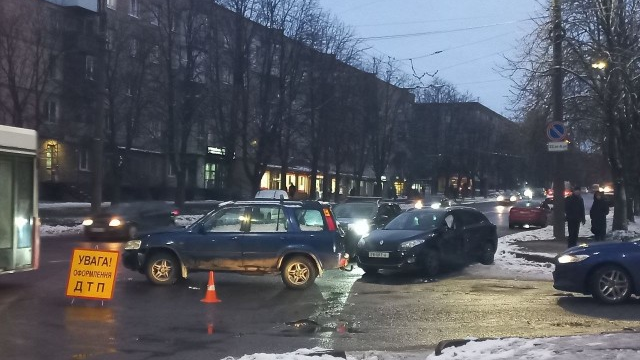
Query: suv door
{"points": [[217, 243], [266, 236]]}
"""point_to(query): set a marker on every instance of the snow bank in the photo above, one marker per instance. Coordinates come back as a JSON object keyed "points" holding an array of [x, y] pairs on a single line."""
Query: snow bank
{"points": [[301, 354], [56, 230], [602, 347]]}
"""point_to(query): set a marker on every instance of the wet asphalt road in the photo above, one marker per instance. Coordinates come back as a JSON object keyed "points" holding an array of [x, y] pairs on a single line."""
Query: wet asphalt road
{"points": [[390, 311]]}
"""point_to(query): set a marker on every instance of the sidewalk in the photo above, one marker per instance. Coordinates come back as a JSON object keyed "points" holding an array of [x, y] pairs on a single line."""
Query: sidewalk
{"points": [[609, 346]]}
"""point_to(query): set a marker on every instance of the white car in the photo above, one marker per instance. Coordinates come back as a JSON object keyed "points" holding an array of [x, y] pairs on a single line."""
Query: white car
{"points": [[272, 194]]}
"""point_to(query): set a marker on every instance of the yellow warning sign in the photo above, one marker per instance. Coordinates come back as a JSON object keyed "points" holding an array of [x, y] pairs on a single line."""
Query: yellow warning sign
{"points": [[92, 274]]}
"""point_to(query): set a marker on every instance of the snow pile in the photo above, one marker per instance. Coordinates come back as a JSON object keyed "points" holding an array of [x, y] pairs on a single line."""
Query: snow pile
{"points": [[186, 220], [602, 347], [301, 354], [56, 230]]}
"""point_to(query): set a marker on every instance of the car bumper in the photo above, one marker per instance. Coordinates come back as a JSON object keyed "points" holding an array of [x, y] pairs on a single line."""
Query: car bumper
{"points": [[571, 278], [397, 260], [133, 260], [106, 232], [527, 219]]}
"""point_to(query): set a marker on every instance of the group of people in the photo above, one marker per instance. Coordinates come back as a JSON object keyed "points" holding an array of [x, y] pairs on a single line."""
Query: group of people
{"points": [[575, 214]]}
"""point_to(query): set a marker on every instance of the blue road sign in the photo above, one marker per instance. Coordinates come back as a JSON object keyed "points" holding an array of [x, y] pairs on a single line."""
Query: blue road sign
{"points": [[556, 131]]}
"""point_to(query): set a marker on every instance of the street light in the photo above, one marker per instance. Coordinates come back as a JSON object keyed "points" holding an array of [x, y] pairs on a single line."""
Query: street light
{"points": [[600, 65]]}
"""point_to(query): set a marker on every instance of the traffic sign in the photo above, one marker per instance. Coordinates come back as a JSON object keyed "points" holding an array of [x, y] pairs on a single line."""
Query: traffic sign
{"points": [[556, 131], [92, 274], [556, 146]]}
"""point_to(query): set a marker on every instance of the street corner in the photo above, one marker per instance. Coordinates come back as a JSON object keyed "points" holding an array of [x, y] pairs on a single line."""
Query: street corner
{"points": [[445, 344]]}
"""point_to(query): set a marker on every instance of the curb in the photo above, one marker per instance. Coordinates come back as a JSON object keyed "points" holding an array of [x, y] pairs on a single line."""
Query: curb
{"points": [[334, 353], [455, 343], [534, 257]]}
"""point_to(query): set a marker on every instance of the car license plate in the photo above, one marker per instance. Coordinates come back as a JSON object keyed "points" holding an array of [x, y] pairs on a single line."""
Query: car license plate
{"points": [[97, 230], [375, 254]]}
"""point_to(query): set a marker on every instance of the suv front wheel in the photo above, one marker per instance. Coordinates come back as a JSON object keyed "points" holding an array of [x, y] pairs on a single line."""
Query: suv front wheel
{"points": [[298, 272]]}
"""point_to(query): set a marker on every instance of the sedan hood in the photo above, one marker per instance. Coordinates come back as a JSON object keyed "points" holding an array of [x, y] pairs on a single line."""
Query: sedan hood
{"points": [[604, 247], [396, 236]]}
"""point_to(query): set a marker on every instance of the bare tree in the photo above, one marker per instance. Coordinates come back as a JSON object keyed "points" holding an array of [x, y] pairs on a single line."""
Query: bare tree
{"points": [[29, 48]]}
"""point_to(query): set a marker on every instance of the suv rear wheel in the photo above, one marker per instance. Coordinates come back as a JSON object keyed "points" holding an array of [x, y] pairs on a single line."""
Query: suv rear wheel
{"points": [[298, 272]]}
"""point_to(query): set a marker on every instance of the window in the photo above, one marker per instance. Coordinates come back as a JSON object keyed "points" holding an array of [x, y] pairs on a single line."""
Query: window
{"points": [[49, 156], [111, 4], [210, 171], [83, 160], [89, 67], [267, 219], [110, 35], [134, 8], [153, 17], [225, 220], [53, 66], [50, 111], [310, 220], [155, 54], [133, 47]]}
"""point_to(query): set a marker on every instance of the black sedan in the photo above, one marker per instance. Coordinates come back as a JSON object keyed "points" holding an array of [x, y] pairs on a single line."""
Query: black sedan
{"points": [[423, 239], [124, 221]]}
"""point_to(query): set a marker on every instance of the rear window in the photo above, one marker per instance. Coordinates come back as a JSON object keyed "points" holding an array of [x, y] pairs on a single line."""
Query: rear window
{"points": [[526, 204], [310, 219], [355, 210]]}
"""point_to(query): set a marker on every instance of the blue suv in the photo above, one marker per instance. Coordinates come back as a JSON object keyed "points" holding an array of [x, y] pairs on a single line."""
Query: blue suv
{"points": [[297, 239]]}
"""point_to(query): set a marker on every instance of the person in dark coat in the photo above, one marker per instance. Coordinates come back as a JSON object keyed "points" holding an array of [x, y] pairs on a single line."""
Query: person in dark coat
{"points": [[574, 212], [598, 213]]}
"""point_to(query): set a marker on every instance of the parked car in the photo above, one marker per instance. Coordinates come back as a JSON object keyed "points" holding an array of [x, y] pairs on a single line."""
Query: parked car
{"points": [[272, 194], [529, 212], [296, 239], [422, 239], [358, 216], [126, 220], [508, 197], [609, 271]]}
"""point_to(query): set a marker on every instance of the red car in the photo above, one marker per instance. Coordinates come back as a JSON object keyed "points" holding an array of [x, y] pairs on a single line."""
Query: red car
{"points": [[527, 212]]}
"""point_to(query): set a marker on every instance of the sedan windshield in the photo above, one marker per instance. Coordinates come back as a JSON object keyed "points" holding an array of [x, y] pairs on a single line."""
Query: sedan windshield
{"points": [[416, 220], [356, 210], [527, 204]]}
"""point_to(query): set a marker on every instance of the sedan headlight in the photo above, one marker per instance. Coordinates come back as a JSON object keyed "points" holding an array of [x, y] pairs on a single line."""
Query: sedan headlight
{"points": [[513, 198], [565, 259], [410, 244], [500, 198], [87, 222], [528, 193], [115, 222], [360, 227], [133, 245]]}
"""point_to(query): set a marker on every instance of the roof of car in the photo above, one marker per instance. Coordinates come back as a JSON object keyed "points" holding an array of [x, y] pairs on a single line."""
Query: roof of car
{"points": [[277, 202]]}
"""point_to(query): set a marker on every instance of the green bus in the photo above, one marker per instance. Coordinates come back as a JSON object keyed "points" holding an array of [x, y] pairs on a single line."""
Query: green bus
{"points": [[19, 223]]}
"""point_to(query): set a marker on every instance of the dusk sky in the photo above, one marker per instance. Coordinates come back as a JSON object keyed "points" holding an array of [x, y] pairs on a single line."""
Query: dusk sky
{"points": [[469, 38]]}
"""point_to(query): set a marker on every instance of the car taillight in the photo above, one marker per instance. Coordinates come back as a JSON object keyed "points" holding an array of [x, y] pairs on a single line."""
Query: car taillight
{"points": [[331, 223], [175, 212]]}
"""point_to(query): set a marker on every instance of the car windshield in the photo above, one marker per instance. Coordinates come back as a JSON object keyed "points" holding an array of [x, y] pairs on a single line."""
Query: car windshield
{"points": [[416, 220], [527, 204], [355, 210]]}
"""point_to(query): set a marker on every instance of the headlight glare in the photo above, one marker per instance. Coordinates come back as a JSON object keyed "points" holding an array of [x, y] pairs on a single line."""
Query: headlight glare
{"points": [[500, 198], [360, 227], [115, 222], [565, 259], [133, 245], [410, 244], [361, 243], [513, 198], [87, 222]]}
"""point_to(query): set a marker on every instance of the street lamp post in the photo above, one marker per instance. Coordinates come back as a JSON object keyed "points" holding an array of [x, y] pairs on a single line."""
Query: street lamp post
{"points": [[558, 157]]}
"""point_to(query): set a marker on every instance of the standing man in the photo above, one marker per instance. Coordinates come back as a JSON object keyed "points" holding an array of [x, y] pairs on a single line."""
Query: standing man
{"points": [[574, 212]]}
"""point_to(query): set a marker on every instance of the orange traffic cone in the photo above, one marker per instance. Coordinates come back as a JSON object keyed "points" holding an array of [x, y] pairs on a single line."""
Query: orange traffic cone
{"points": [[210, 329], [211, 296]]}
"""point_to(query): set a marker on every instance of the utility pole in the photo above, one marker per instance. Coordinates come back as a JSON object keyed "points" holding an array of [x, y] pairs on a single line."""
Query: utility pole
{"points": [[97, 150], [556, 93]]}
